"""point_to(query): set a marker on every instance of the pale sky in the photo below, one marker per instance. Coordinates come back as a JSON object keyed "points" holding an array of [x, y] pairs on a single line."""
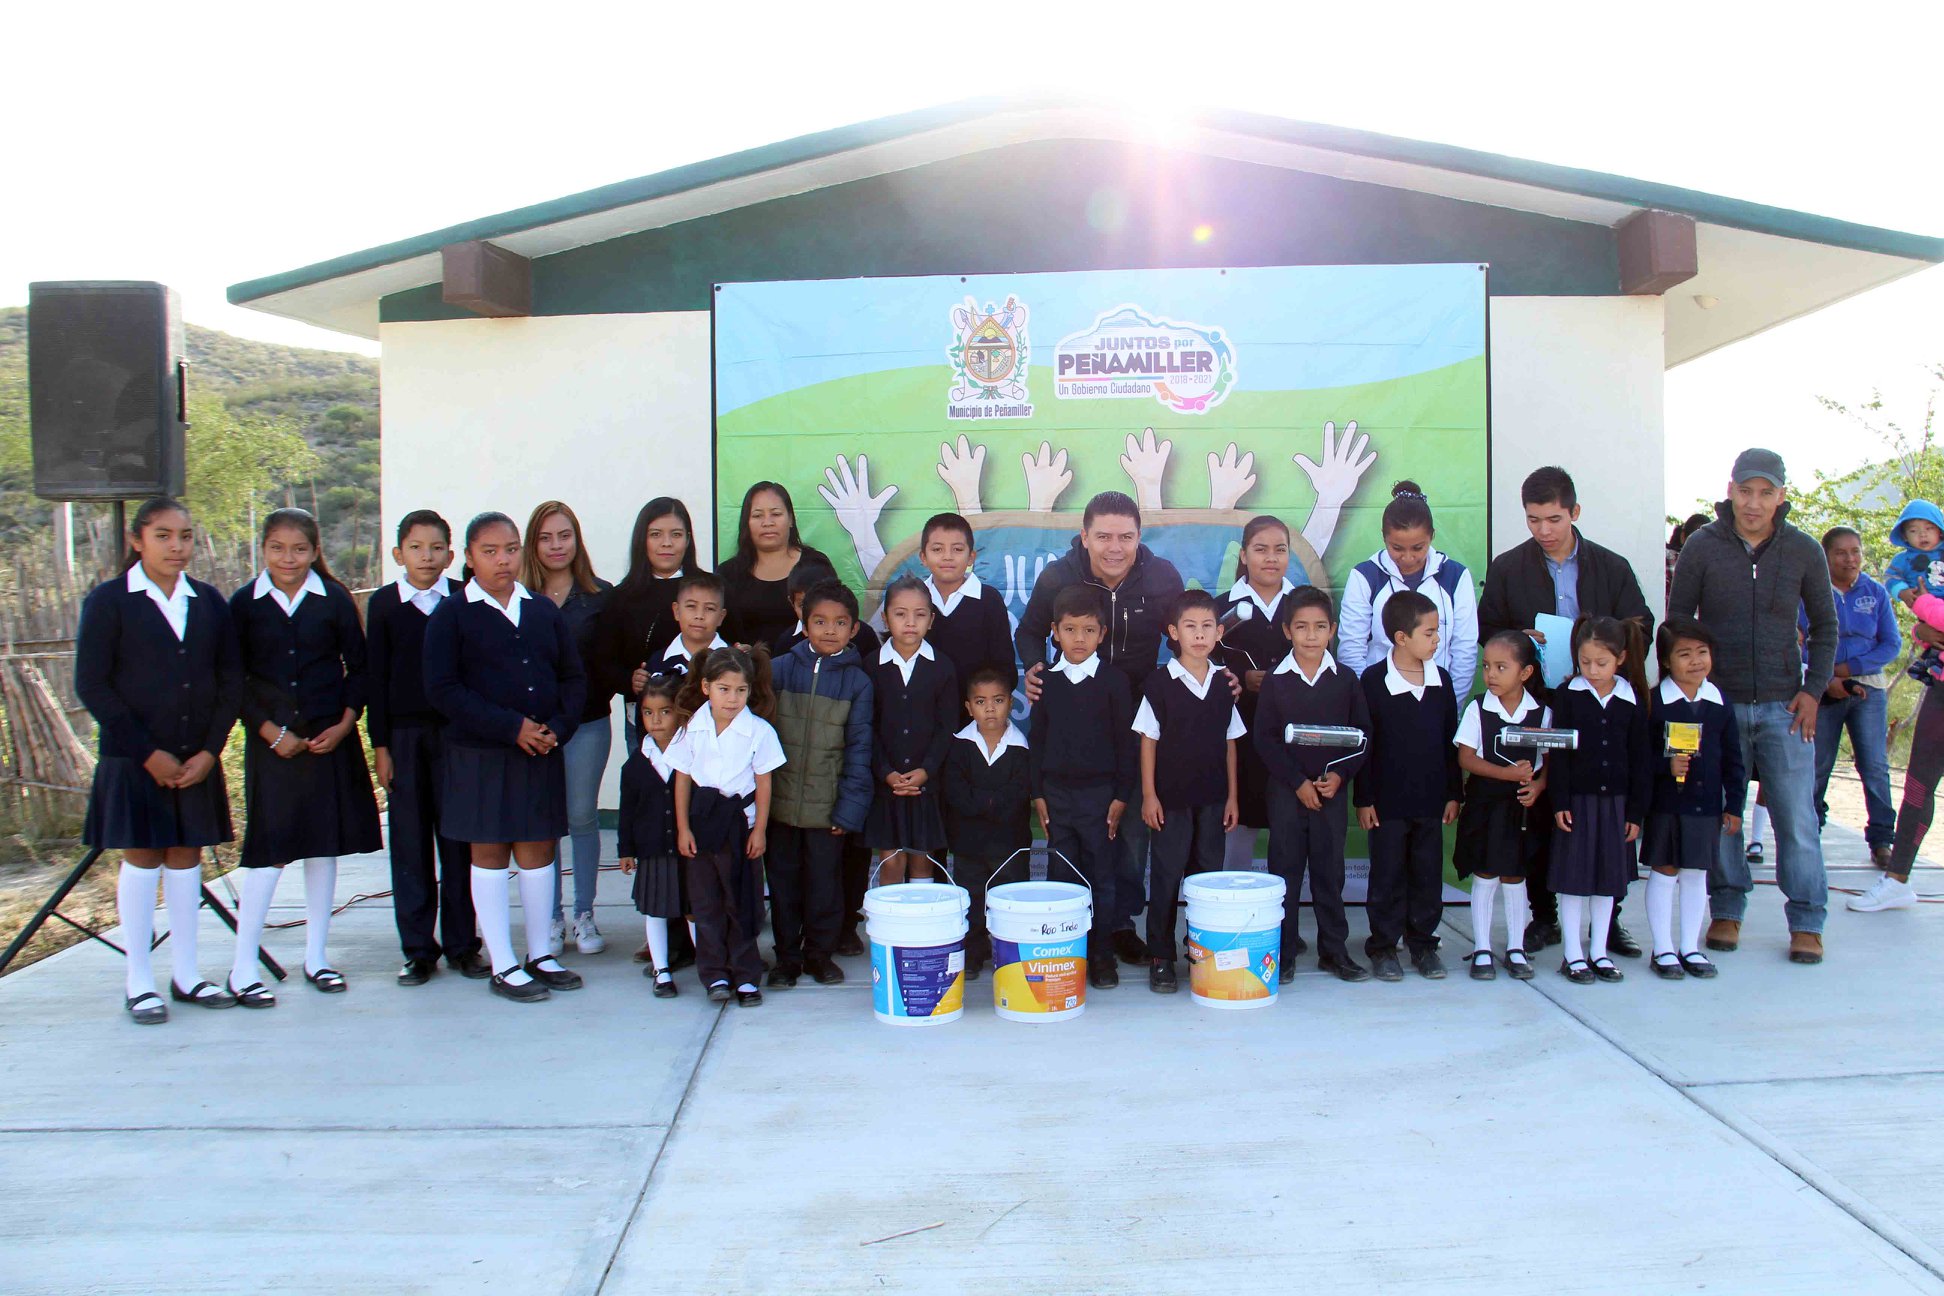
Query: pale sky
{"points": [[201, 145]]}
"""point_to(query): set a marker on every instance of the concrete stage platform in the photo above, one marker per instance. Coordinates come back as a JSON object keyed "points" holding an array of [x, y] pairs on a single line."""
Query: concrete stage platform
{"points": [[1777, 1130]]}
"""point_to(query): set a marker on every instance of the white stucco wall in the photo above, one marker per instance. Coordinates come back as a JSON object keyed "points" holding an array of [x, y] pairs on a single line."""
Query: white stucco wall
{"points": [[604, 412], [1577, 381]]}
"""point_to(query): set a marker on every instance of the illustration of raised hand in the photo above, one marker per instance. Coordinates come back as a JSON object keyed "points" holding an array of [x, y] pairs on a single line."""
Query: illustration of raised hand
{"points": [[1046, 477], [1343, 466], [1145, 462], [960, 469], [1229, 480], [849, 496]]}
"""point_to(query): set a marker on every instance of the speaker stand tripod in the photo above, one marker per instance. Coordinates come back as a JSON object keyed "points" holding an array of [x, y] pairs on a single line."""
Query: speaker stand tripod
{"points": [[52, 909]]}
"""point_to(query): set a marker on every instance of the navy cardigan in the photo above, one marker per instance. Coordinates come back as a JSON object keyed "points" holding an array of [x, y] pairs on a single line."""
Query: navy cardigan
{"points": [[646, 828], [487, 676], [1717, 782], [301, 669], [147, 691], [1614, 757]]}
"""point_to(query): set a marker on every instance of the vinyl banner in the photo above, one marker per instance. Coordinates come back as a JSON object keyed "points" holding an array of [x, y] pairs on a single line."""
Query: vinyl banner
{"points": [[1208, 395]]}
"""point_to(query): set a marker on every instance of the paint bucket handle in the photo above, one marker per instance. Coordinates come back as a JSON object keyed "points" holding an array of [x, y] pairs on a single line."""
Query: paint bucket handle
{"points": [[907, 850], [1051, 854]]}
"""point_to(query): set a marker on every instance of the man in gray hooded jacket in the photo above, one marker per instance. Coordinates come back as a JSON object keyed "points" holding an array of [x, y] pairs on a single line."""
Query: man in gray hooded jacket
{"points": [[1745, 576]]}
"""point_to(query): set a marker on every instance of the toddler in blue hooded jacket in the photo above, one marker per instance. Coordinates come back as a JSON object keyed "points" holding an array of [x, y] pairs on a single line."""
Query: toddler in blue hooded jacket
{"points": [[1917, 569]]}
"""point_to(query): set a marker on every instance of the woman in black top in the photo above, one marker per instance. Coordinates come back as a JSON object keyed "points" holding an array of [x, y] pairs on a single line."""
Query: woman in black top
{"points": [[555, 564], [156, 664], [637, 623], [768, 549], [306, 788]]}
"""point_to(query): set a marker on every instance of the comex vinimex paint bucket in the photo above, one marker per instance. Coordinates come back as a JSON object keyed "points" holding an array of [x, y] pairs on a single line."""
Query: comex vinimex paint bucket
{"points": [[1234, 938], [1039, 949]]}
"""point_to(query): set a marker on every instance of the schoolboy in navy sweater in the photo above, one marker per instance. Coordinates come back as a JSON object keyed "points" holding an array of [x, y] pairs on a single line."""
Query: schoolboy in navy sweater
{"points": [[987, 792], [970, 626], [1309, 811], [433, 908], [1410, 790], [1188, 729], [1082, 761]]}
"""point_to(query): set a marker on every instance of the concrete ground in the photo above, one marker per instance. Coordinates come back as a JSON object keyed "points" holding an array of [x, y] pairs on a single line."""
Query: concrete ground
{"points": [[1776, 1130]]}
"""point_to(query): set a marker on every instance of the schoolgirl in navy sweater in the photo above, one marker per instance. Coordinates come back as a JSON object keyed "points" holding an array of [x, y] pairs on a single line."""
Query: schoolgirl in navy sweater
{"points": [[1253, 645], [646, 838], [1696, 797], [915, 712], [306, 787], [156, 664], [971, 628], [1600, 789], [432, 906], [503, 668]]}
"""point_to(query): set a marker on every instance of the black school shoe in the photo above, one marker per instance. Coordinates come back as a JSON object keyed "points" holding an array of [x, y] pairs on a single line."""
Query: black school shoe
{"points": [[1520, 969], [1539, 934], [1128, 947], [664, 989], [1578, 971], [1429, 965], [721, 993], [416, 972], [823, 971], [1667, 966], [531, 992], [473, 966], [848, 943], [1483, 966], [1621, 943], [1102, 974], [973, 967], [1345, 969], [1161, 977], [1604, 969], [555, 977], [784, 976], [749, 998], [1385, 966], [1287, 972]]}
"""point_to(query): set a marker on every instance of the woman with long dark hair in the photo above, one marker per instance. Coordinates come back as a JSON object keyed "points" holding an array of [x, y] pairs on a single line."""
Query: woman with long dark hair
{"points": [[554, 563], [768, 549]]}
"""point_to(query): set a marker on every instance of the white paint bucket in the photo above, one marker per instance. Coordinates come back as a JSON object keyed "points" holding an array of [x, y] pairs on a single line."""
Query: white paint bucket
{"points": [[917, 935], [1234, 938], [1039, 949]]}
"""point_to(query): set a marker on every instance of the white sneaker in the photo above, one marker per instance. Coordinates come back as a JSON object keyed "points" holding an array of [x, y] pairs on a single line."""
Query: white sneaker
{"points": [[587, 937], [1888, 893], [557, 937]]}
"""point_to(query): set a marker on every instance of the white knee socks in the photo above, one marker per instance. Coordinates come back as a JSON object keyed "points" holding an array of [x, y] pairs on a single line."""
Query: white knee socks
{"points": [[1602, 923], [658, 942], [320, 885], [1572, 922], [1518, 912], [182, 891], [1484, 891], [494, 913], [1694, 908], [259, 889], [1758, 822], [135, 902], [1660, 912], [536, 906]]}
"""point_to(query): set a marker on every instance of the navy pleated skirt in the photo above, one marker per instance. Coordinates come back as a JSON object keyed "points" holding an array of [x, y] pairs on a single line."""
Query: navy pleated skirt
{"points": [[905, 823], [1593, 859], [1682, 841], [306, 806], [658, 889], [128, 810], [501, 794]]}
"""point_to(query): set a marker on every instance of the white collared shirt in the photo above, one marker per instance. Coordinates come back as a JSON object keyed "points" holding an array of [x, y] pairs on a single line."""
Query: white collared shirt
{"points": [[1396, 683], [1289, 666], [510, 609], [1670, 693], [425, 600], [1078, 671], [175, 607], [313, 584], [948, 603], [678, 655], [657, 757], [1621, 689], [1268, 610], [1471, 725], [1011, 738], [728, 761], [1148, 725], [888, 655]]}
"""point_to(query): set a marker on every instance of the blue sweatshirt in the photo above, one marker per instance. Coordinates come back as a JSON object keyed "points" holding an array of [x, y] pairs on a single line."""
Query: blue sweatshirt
{"points": [[1868, 639]]}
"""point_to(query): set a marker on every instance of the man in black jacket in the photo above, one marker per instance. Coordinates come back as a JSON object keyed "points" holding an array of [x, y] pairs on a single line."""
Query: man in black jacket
{"points": [[1561, 572], [1138, 591]]}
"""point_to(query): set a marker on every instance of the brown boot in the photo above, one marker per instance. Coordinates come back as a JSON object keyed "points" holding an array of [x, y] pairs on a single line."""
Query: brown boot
{"points": [[1880, 856], [1724, 934], [1805, 947]]}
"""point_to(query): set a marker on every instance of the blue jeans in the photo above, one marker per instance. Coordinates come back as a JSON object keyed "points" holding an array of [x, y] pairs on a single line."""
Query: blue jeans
{"points": [[587, 758], [1786, 768], [1867, 720]]}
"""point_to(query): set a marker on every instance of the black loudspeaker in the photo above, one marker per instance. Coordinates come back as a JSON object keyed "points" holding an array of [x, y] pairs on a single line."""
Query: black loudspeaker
{"points": [[106, 379]]}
